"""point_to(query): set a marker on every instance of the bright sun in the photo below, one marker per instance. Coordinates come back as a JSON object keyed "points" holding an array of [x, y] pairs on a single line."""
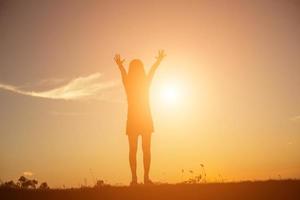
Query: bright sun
{"points": [[170, 94]]}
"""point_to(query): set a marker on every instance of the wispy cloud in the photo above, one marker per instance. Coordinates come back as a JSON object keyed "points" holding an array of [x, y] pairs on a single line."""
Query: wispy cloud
{"points": [[72, 114], [27, 173], [78, 88], [296, 118]]}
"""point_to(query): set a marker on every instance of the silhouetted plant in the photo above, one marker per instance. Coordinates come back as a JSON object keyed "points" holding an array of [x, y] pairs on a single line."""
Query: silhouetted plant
{"points": [[221, 179], [44, 186], [198, 178], [99, 183], [9, 185], [26, 183], [203, 173], [201, 177], [22, 179]]}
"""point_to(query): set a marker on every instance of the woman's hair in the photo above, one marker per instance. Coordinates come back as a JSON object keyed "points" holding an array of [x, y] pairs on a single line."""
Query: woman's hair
{"points": [[136, 71]]}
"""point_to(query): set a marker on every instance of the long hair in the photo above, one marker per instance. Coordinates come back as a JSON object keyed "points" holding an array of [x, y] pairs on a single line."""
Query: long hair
{"points": [[136, 72]]}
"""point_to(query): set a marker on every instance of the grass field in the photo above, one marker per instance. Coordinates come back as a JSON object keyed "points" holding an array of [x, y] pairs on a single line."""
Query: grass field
{"points": [[259, 190]]}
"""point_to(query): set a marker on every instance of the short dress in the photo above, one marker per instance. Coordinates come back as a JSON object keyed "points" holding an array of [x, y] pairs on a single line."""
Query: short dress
{"points": [[139, 118]]}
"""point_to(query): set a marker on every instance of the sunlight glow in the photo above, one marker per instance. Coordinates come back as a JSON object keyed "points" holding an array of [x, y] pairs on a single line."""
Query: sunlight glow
{"points": [[170, 94]]}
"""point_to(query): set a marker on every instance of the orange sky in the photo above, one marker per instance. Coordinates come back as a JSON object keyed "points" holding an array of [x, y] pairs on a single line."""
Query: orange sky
{"points": [[63, 108]]}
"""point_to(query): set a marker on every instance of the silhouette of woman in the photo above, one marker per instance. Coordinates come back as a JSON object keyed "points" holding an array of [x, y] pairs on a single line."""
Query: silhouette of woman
{"points": [[139, 119]]}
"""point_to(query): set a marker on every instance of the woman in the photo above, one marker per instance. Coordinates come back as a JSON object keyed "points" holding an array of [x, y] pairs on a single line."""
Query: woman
{"points": [[139, 120]]}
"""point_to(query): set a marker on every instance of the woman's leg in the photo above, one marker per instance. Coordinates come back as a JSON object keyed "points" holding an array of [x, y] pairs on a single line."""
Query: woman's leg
{"points": [[146, 144], [133, 142]]}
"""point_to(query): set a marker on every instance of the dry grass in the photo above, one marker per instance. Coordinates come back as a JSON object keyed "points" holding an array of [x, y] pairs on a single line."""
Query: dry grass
{"points": [[259, 190]]}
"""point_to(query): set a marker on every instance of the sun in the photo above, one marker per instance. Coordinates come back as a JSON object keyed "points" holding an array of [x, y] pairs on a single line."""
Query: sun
{"points": [[170, 94]]}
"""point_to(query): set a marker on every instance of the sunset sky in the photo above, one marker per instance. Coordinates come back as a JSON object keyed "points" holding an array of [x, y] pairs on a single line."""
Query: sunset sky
{"points": [[232, 74]]}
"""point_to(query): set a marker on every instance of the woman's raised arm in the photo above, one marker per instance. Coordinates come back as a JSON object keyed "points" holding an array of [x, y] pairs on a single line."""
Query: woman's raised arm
{"points": [[120, 62], [159, 58]]}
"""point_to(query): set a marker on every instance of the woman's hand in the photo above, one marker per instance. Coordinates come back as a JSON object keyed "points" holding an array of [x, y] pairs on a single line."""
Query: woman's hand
{"points": [[161, 55], [159, 58], [118, 60]]}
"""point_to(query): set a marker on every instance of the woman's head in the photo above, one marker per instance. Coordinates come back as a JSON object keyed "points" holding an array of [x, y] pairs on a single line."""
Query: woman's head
{"points": [[136, 70]]}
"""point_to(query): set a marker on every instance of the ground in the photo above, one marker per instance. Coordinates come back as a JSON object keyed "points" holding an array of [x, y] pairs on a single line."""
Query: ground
{"points": [[282, 189]]}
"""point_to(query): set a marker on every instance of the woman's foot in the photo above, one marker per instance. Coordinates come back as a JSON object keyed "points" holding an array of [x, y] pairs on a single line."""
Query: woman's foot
{"points": [[147, 181], [133, 183], [133, 180]]}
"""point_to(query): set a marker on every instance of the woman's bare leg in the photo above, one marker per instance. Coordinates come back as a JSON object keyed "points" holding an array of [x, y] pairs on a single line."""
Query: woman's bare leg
{"points": [[146, 144], [133, 142]]}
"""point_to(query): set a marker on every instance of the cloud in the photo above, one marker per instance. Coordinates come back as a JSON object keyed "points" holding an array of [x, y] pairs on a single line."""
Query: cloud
{"points": [[78, 88], [296, 118], [73, 114], [28, 173]]}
